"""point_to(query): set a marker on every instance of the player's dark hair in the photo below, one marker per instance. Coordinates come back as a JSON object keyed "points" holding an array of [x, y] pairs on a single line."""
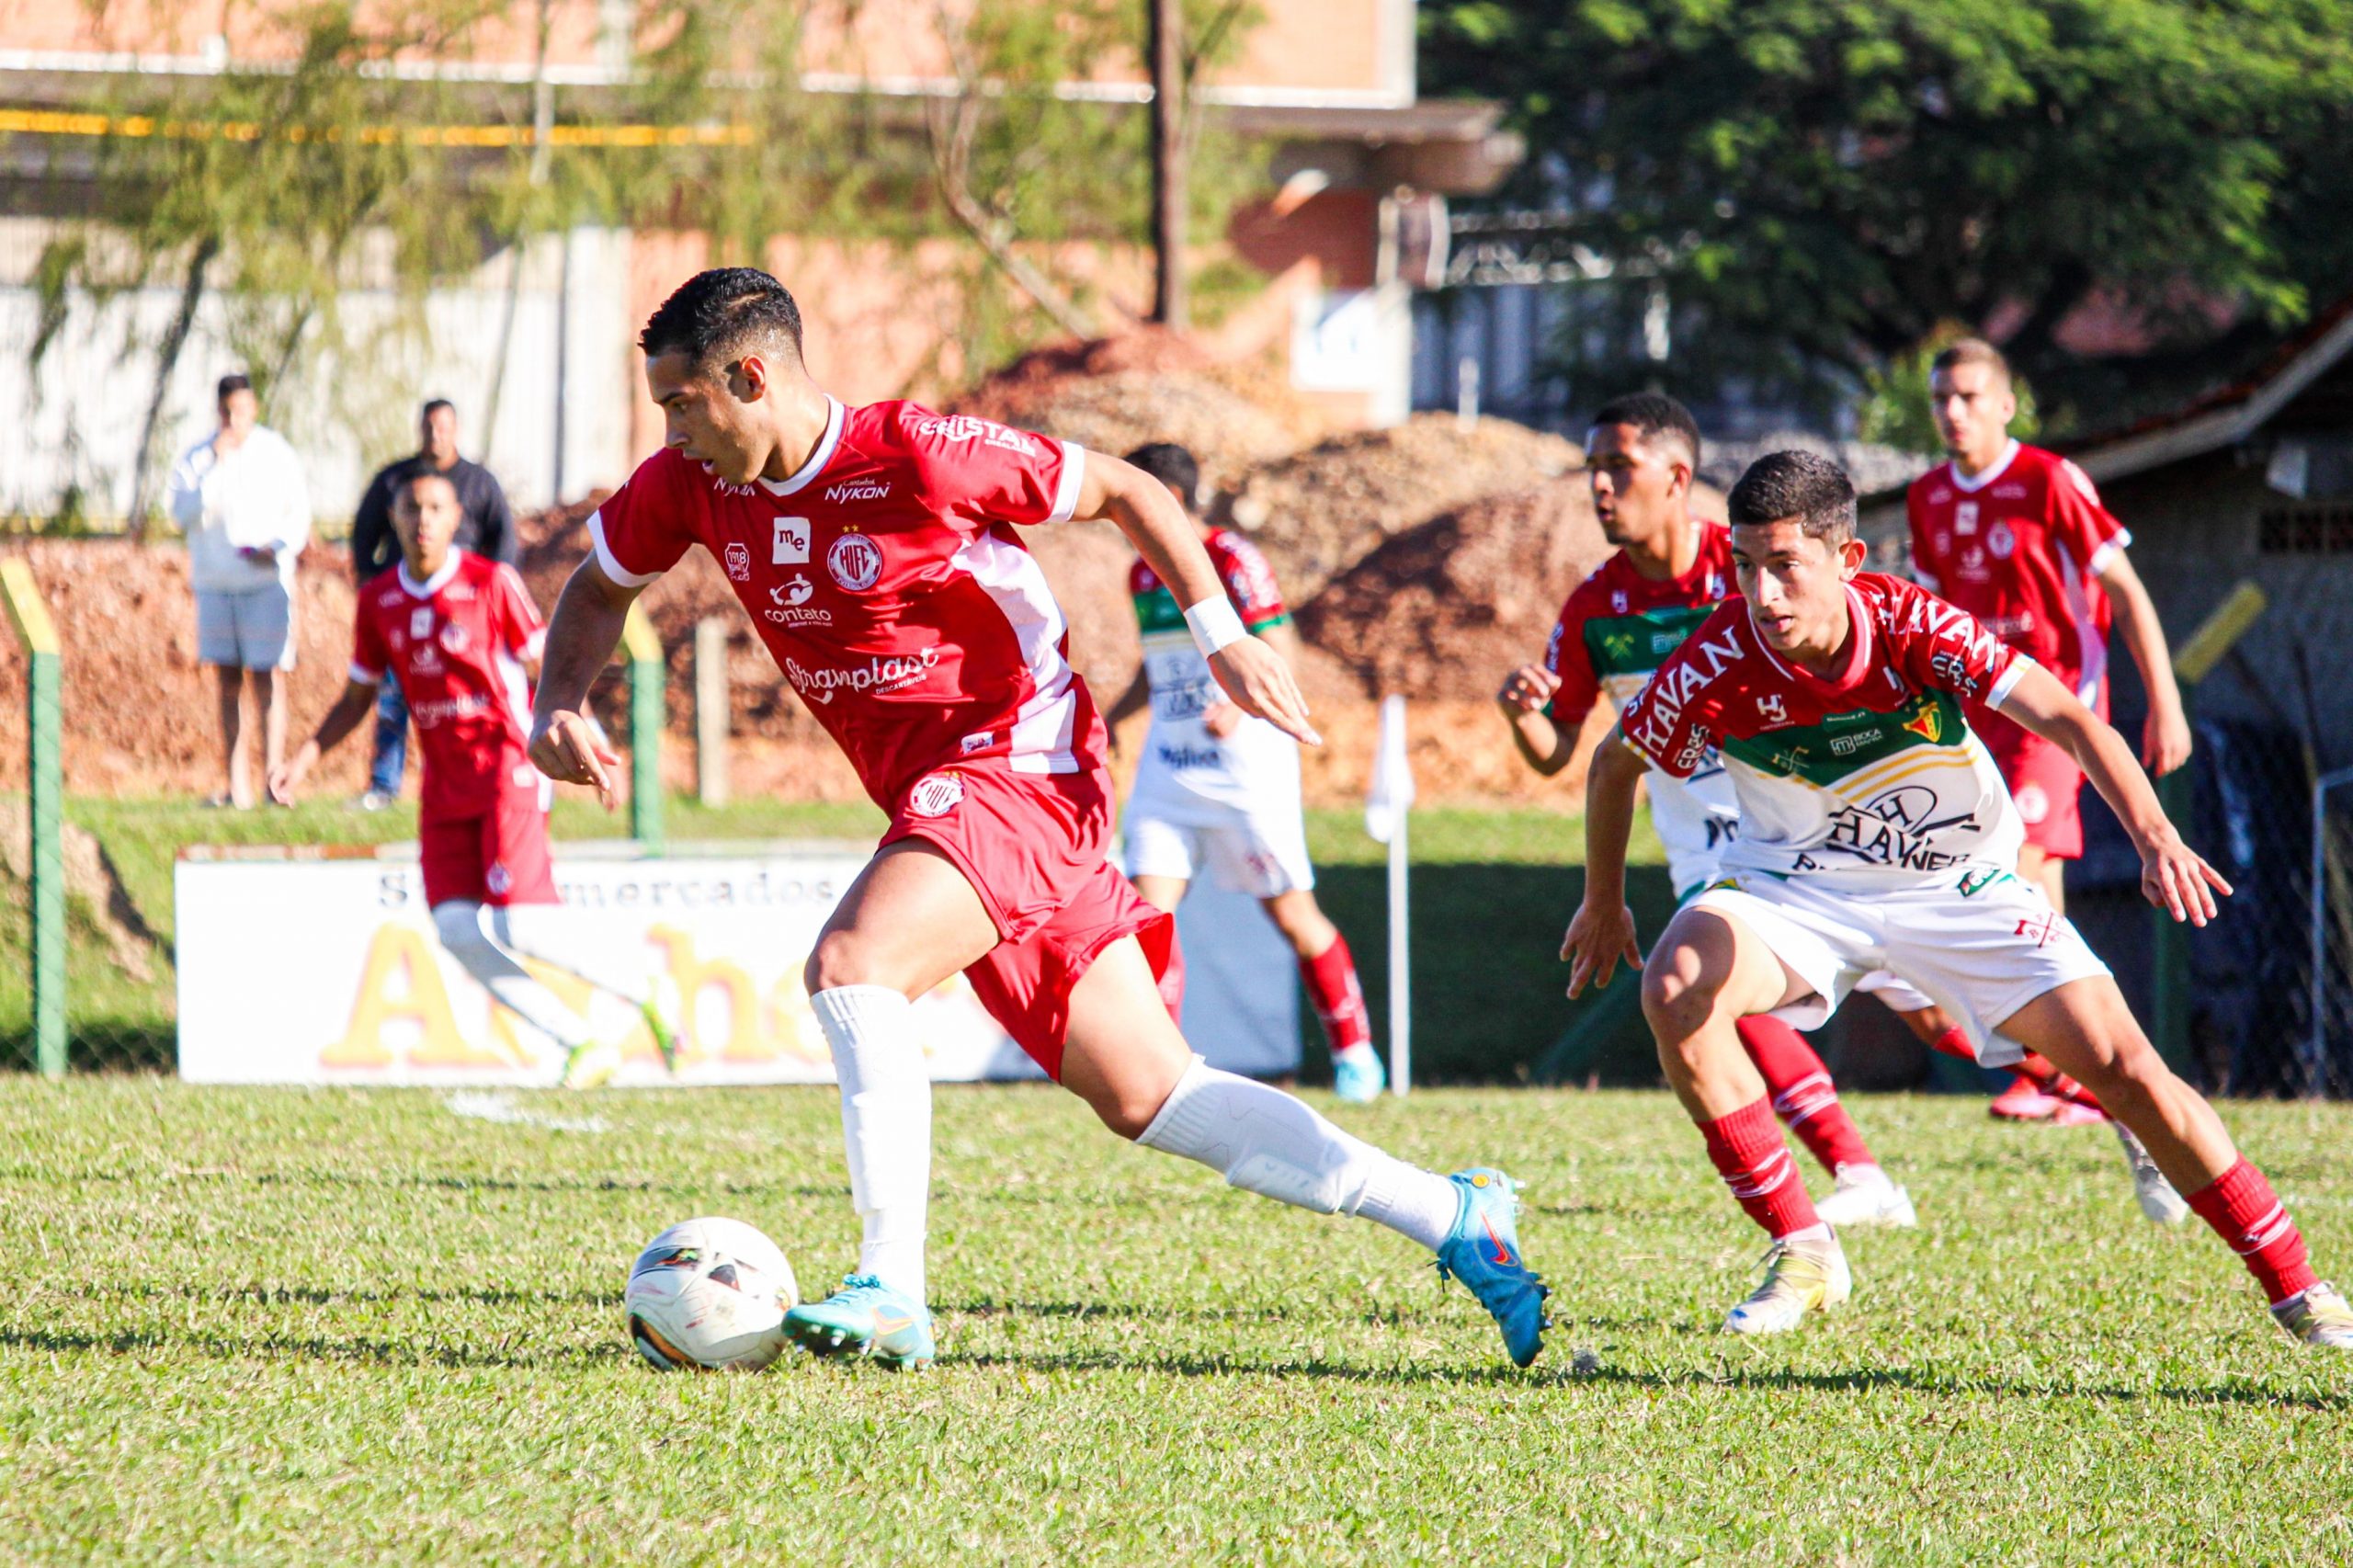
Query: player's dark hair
{"points": [[1653, 414], [432, 402], [717, 316], [236, 382], [1173, 466], [1803, 485], [408, 488]]}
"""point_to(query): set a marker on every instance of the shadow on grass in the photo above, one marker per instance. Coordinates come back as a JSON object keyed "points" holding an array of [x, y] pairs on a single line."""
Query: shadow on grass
{"points": [[313, 1347]]}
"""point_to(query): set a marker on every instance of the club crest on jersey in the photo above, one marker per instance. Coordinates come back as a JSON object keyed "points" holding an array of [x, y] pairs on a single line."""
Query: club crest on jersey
{"points": [[1928, 725], [2001, 541], [739, 562], [454, 638], [936, 796], [497, 879], [791, 544], [856, 563]]}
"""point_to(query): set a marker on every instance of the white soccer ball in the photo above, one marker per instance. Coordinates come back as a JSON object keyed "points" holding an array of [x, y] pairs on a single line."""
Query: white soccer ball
{"points": [[709, 1294]]}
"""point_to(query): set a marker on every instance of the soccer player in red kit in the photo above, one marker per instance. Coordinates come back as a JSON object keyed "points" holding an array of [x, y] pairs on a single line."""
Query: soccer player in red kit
{"points": [[459, 632], [2017, 536], [1877, 832], [875, 550]]}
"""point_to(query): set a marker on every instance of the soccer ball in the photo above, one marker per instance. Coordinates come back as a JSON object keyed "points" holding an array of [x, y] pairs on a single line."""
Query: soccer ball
{"points": [[709, 1294]]}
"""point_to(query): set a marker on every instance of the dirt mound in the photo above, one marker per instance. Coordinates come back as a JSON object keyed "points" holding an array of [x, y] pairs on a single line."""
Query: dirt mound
{"points": [[1230, 434], [1444, 610], [1320, 511]]}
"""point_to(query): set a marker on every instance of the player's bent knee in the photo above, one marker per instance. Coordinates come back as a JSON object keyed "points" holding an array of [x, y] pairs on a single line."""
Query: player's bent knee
{"points": [[1679, 991], [840, 959]]}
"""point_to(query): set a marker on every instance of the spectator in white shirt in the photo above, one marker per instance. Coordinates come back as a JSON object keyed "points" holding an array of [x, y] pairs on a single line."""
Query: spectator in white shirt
{"points": [[240, 497]]}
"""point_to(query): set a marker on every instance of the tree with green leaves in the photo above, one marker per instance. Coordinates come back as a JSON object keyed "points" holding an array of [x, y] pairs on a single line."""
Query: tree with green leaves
{"points": [[1820, 183]]}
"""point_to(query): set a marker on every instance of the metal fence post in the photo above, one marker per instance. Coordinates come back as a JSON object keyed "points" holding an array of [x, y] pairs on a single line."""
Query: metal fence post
{"points": [[44, 762], [646, 675]]}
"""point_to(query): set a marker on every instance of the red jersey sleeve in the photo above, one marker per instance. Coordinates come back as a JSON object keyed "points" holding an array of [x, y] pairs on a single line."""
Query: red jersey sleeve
{"points": [[1934, 644], [983, 472], [369, 657], [2079, 521], [1673, 721], [1566, 656], [520, 630], [1926, 570], [1250, 583], [645, 526]]}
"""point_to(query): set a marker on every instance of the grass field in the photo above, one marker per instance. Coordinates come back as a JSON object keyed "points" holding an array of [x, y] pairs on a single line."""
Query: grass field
{"points": [[333, 1326]]}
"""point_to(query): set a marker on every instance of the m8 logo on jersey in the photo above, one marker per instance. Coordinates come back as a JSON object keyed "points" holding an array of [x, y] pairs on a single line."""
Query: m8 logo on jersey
{"points": [[856, 563]]}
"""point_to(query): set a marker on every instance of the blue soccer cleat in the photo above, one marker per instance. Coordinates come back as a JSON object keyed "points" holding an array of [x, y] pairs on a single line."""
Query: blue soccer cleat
{"points": [[1483, 1251], [865, 1317], [1358, 1076]]}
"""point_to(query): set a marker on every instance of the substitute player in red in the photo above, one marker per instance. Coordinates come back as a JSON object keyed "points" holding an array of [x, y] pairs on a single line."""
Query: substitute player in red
{"points": [[1668, 574], [460, 633], [2017, 536], [1217, 790], [1877, 832], [875, 550]]}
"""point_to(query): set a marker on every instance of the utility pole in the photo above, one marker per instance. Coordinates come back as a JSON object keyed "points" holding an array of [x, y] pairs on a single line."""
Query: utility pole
{"points": [[1168, 162]]}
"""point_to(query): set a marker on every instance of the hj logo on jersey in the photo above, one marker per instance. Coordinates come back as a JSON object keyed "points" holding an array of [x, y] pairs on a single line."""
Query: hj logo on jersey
{"points": [[1617, 601], [937, 796], [739, 563], [856, 563], [792, 546], [1771, 709]]}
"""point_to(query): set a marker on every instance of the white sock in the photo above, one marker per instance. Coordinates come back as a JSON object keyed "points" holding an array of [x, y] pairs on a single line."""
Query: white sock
{"points": [[461, 926], [886, 1126], [1817, 1232], [1270, 1143], [577, 941]]}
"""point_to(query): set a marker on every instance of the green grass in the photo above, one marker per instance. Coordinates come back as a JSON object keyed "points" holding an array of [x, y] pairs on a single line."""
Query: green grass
{"points": [[1493, 891], [333, 1326]]}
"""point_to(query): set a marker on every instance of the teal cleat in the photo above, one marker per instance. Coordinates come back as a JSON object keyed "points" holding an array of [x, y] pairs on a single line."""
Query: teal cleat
{"points": [[1483, 1251], [1357, 1077], [865, 1317]]}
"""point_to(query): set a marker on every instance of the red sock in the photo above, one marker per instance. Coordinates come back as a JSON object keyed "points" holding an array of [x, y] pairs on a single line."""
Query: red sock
{"points": [[1331, 977], [2051, 1081], [2254, 1223], [1747, 1149], [1803, 1094], [1954, 1041]]}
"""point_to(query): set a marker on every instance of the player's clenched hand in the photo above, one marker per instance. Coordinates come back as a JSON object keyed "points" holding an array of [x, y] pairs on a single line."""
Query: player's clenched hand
{"points": [[2174, 879], [568, 750], [1598, 940], [1528, 689], [2165, 740], [1260, 682], [287, 775]]}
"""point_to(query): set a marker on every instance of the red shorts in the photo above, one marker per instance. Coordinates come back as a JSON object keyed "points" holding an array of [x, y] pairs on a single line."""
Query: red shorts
{"points": [[498, 857], [1035, 847], [2045, 782]]}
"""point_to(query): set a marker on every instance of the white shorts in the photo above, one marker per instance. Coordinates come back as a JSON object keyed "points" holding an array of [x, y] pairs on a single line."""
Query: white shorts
{"points": [[1697, 869], [1245, 852], [1982, 954], [246, 629]]}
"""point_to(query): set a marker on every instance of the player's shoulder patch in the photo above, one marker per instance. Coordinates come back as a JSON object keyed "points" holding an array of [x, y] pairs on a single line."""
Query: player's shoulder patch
{"points": [[2080, 479]]}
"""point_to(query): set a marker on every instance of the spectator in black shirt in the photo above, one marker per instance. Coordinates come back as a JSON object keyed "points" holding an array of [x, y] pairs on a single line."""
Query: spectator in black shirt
{"points": [[486, 528]]}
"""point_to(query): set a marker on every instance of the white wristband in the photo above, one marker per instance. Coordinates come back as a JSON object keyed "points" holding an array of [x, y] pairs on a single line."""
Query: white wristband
{"points": [[1215, 624]]}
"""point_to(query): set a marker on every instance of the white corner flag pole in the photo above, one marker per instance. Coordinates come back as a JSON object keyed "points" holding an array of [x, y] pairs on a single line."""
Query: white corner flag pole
{"points": [[1386, 809]]}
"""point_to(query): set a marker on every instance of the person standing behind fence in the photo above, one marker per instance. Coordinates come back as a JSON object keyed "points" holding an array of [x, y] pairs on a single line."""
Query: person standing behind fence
{"points": [[486, 528], [240, 497]]}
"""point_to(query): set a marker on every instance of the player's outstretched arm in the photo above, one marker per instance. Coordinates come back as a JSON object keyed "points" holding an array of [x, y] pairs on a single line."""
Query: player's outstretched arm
{"points": [[2172, 876], [350, 710], [1544, 745], [1603, 931], [582, 635], [1140, 506]]}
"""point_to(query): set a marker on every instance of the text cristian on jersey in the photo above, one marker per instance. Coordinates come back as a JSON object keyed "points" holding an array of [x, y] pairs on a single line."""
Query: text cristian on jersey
{"points": [[1869, 767], [888, 583]]}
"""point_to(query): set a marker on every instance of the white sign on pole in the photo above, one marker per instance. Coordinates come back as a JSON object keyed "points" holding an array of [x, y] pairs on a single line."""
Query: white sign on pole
{"points": [[328, 971], [1387, 808]]}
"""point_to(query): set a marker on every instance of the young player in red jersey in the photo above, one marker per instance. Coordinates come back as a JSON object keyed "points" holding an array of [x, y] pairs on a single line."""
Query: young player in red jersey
{"points": [[1217, 791], [458, 632], [1670, 570], [2017, 536], [875, 550], [1876, 831]]}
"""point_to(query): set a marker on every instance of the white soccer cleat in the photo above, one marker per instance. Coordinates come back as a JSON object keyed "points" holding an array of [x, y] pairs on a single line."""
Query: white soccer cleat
{"points": [[2158, 1200], [1865, 1196], [2318, 1316], [1800, 1277]]}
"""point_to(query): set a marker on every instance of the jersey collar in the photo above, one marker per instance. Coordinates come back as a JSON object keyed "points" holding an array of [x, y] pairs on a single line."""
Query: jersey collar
{"points": [[1999, 466], [433, 585], [1859, 653], [818, 458]]}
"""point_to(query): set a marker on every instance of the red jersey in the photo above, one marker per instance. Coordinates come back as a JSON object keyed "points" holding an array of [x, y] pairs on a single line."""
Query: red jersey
{"points": [[456, 645], [1249, 583], [1871, 767], [1618, 624], [889, 584], [2021, 547]]}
